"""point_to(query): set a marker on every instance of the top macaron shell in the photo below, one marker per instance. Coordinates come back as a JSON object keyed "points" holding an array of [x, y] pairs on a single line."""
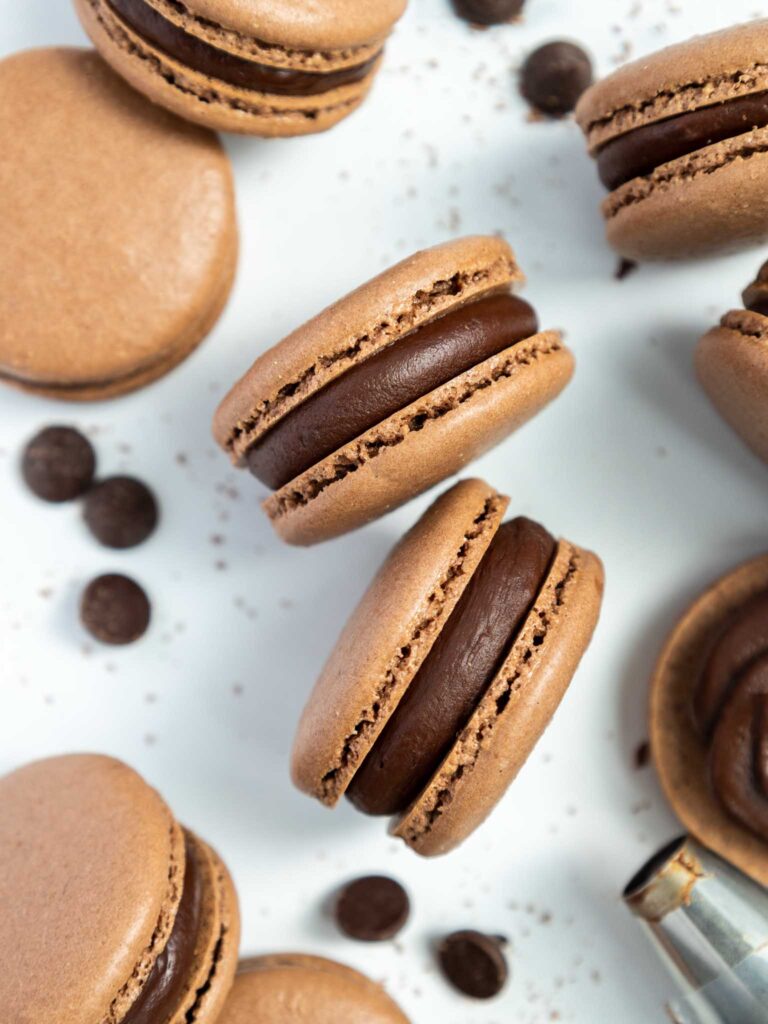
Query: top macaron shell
{"points": [[660, 216], [295, 988], [470, 416], [123, 212], [90, 828], [390, 634]]}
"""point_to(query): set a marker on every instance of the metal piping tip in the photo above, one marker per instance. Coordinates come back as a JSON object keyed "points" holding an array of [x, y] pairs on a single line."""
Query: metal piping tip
{"points": [[709, 924]]}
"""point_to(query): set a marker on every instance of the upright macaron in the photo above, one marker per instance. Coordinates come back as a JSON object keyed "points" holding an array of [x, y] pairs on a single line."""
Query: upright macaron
{"points": [[119, 232], [112, 912], [681, 143], [294, 988], [709, 718], [449, 670], [260, 67], [392, 389], [732, 366]]}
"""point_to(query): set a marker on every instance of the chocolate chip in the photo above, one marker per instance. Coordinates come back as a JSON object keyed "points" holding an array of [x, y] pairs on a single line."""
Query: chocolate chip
{"points": [[474, 963], [58, 464], [121, 512], [115, 609], [488, 12], [554, 77], [372, 909]]}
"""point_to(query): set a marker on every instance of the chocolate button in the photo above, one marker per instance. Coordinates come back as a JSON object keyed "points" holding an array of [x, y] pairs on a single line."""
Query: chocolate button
{"points": [[488, 12], [121, 512], [114, 609], [58, 464], [555, 76], [474, 963], [372, 909]]}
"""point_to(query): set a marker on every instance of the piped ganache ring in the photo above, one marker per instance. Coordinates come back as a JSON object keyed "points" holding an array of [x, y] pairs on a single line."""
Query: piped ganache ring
{"points": [[709, 718], [681, 143], [392, 389], [449, 670], [259, 67], [732, 366]]}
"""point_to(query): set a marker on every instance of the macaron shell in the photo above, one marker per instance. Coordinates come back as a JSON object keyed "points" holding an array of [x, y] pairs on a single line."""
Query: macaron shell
{"points": [[702, 71], [91, 863], [306, 24], [712, 201], [679, 754], [732, 366], [516, 710], [393, 304], [422, 444], [161, 212], [299, 989], [389, 634], [209, 101]]}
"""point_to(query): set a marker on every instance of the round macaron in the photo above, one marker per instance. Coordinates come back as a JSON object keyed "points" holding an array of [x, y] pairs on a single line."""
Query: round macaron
{"points": [[260, 67], [119, 232], [392, 389], [449, 670], [732, 366], [709, 718], [293, 988], [111, 911], [681, 143]]}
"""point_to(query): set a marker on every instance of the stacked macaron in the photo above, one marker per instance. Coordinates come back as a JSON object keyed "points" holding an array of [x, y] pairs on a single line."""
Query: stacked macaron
{"points": [[392, 389], [260, 67], [449, 670]]}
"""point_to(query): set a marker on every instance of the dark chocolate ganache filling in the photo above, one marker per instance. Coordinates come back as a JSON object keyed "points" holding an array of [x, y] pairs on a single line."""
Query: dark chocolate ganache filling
{"points": [[164, 990], [731, 711], [642, 150], [387, 382], [227, 67], [458, 670]]}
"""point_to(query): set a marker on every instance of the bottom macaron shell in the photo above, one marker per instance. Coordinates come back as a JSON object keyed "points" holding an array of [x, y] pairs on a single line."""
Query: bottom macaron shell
{"points": [[208, 101], [511, 718], [185, 345], [294, 988], [732, 365], [713, 201], [680, 756], [423, 444]]}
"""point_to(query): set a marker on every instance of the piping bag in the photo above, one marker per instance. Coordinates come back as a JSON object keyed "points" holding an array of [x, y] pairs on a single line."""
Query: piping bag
{"points": [[709, 923]]}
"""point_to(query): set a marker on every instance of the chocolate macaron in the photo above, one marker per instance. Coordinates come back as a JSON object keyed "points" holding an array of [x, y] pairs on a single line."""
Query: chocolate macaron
{"points": [[119, 232], [294, 988], [709, 718], [449, 670], [111, 911], [681, 143], [732, 366], [392, 389], [260, 67]]}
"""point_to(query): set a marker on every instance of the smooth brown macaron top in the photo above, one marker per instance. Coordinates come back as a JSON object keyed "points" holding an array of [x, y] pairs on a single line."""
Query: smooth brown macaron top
{"points": [[680, 753], [387, 640], [330, 25], [119, 232], [295, 988]]}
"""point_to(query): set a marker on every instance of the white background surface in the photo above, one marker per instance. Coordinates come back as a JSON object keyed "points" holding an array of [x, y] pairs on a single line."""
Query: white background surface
{"points": [[631, 460]]}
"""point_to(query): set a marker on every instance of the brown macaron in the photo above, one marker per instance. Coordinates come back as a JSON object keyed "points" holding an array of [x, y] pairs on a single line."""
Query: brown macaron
{"points": [[709, 718], [111, 911], [449, 670], [392, 389], [294, 988], [681, 143], [732, 366], [260, 67], [119, 232]]}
